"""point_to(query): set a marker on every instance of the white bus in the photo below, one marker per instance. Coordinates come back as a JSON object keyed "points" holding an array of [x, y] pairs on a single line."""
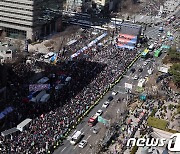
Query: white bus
{"points": [[151, 47], [76, 137]]}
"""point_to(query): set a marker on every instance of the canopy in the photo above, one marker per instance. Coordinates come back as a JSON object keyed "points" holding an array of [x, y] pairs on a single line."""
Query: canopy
{"points": [[5, 112], [9, 132], [23, 124]]}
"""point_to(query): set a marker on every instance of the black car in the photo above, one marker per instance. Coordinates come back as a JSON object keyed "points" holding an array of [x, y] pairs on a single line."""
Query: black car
{"points": [[110, 98], [133, 70], [140, 70]]}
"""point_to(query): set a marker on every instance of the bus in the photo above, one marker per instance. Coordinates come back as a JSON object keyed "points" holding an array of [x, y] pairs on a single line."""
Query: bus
{"points": [[157, 53], [144, 54], [75, 137]]}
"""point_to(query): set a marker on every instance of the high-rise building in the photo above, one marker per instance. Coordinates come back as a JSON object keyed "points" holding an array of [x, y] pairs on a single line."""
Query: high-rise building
{"points": [[30, 19]]}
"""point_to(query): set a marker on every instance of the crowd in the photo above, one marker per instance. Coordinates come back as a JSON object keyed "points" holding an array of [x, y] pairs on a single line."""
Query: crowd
{"points": [[90, 77]]}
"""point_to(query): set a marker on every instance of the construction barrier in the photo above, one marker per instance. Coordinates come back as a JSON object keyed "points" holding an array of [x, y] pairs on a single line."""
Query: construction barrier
{"points": [[93, 105]]}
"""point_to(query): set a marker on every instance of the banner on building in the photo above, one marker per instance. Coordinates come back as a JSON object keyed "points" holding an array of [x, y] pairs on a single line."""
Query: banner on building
{"points": [[39, 87]]}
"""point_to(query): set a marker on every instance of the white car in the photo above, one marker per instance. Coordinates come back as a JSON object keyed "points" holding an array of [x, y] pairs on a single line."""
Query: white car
{"points": [[106, 104], [114, 93], [136, 77], [99, 112], [83, 143], [145, 63]]}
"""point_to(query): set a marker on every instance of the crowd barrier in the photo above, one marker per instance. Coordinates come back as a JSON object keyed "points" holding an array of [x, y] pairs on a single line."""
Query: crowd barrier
{"points": [[65, 135]]}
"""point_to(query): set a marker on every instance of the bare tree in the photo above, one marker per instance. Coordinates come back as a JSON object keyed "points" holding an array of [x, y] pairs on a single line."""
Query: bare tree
{"points": [[3, 36]]}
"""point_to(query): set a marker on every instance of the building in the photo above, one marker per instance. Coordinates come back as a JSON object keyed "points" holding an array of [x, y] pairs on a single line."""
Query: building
{"points": [[74, 5], [6, 52], [30, 19]]}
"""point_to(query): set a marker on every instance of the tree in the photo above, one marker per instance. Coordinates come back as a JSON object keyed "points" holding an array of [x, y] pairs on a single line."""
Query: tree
{"points": [[3, 36], [175, 71], [174, 55]]}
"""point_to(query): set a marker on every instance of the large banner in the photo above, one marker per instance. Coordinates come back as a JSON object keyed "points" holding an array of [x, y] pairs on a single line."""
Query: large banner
{"points": [[38, 87]]}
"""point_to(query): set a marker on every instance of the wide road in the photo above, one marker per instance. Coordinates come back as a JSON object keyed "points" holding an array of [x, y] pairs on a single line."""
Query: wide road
{"points": [[111, 113]]}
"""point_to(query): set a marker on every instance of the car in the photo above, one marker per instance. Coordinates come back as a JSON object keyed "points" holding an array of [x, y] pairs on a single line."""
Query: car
{"points": [[99, 112], [138, 45], [145, 63], [114, 92], [96, 130], [140, 70], [106, 104], [110, 98], [133, 70], [83, 143], [136, 77]]}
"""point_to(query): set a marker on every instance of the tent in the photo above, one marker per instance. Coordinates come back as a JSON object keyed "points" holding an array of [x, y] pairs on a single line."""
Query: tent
{"points": [[9, 132], [23, 124]]}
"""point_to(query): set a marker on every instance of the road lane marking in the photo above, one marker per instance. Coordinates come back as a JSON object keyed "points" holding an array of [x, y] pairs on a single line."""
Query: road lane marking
{"points": [[75, 147], [63, 149], [88, 137], [91, 128], [81, 129], [86, 150]]}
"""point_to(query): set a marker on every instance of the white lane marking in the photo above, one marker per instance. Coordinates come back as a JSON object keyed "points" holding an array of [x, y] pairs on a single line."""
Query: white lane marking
{"points": [[81, 129], [75, 147], [105, 112], [86, 150], [63, 149], [88, 137], [91, 128]]}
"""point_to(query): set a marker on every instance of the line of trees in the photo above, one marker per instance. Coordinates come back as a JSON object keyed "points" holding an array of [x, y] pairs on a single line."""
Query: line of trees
{"points": [[174, 57]]}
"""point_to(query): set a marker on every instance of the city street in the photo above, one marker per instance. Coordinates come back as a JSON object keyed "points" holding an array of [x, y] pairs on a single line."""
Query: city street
{"points": [[110, 113]]}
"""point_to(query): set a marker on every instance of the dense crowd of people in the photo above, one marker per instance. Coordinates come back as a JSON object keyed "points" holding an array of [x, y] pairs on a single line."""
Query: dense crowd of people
{"points": [[90, 77]]}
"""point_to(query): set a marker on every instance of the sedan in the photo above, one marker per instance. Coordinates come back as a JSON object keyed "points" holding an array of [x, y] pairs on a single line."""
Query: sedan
{"points": [[114, 93], [136, 77], [133, 70], [99, 112], [140, 70], [145, 63], [110, 98], [83, 143], [106, 104]]}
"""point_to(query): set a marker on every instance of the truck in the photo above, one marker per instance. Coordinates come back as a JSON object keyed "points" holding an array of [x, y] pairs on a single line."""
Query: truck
{"points": [[93, 120]]}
